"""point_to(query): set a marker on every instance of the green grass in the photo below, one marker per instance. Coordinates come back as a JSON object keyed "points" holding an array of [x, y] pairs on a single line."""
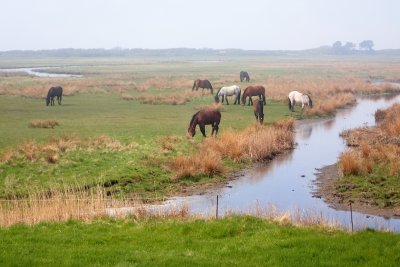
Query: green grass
{"points": [[378, 188], [233, 241], [138, 171]]}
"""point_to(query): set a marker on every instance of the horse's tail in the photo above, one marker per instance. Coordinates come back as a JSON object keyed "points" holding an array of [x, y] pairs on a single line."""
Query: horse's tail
{"points": [[310, 101], [194, 85], [290, 103]]}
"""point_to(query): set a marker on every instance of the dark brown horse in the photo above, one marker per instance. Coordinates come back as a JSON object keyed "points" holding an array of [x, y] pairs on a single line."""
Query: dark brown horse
{"points": [[54, 92], [202, 118], [259, 110], [253, 91], [202, 84], [244, 76]]}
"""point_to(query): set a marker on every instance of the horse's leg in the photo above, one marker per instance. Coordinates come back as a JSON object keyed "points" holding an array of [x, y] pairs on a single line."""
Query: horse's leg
{"points": [[255, 114], [250, 101], [293, 103], [215, 129], [226, 99], [203, 129], [264, 100], [222, 99]]}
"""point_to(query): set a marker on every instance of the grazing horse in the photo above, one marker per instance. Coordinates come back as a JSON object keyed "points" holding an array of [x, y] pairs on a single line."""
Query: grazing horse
{"points": [[202, 118], [226, 91], [253, 91], [54, 92], [297, 97], [259, 110], [244, 76], [202, 84]]}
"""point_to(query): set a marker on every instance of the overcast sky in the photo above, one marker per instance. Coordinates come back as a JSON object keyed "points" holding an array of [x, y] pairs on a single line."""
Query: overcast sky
{"points": [[246, 24]]}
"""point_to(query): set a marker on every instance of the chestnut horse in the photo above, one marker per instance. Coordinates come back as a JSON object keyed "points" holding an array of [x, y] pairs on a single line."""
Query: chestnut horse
{"points": [[202, 84], [253, 91], [202, 118], [259, 110]]}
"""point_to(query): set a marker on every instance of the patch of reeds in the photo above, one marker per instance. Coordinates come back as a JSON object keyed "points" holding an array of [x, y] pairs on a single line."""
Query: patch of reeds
{"points": [[377, 147], [170, 99], [53, 150], [255, 143], [43, 124], [77, 204]]}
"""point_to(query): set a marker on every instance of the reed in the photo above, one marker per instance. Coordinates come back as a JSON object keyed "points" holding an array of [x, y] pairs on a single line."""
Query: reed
{"points": [[255, 143]]}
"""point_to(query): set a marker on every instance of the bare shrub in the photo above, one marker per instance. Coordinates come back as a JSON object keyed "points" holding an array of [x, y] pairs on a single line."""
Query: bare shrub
{"points": [[43, 124]]}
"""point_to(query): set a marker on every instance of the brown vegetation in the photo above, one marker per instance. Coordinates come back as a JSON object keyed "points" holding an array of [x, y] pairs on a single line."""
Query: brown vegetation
{"points": [[51, 151], [254, 143], [43, 124], [377, 147]]}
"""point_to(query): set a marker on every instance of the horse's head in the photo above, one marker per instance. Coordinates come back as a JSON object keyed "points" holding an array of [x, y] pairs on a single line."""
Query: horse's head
{"points": [[47, 101], [191, 131], [216, 98]]}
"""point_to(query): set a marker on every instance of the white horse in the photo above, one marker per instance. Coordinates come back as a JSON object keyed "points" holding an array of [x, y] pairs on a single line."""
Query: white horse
{"points": [[226, 91], [297, 97]]}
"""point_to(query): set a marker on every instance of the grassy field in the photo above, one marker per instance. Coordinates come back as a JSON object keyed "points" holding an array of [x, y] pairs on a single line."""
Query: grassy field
{"points": [[242, 241], [118, 126]]}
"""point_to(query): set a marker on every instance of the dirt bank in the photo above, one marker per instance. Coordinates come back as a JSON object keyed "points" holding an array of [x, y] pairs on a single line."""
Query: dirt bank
{"points": [[326, 190]]}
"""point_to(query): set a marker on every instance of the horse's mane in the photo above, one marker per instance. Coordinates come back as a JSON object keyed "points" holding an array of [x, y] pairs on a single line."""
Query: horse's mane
{"points": [[193, 118]]}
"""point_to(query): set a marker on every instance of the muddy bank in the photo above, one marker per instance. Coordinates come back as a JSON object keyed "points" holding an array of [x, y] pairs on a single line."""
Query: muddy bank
{"points": [[325, 182]]}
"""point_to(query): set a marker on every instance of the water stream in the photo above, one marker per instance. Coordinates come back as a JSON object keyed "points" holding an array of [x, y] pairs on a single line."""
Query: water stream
{"points": [[37, 72], [289, 180]]}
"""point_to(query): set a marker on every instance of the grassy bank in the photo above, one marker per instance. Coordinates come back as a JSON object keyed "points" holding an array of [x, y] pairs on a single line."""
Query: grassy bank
{"points": [[371, 169], [242, 241]]}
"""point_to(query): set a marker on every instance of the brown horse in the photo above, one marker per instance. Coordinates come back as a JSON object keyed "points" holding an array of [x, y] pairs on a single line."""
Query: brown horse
{"points": [[202, 118], [259, 110], [202, 84], [253, 91]]}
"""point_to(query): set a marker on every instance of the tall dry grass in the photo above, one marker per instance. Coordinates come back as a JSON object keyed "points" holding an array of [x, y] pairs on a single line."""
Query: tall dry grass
{"points": [[56, 147], [43, 124], [375, 147], [78, 204], [254, 143]]}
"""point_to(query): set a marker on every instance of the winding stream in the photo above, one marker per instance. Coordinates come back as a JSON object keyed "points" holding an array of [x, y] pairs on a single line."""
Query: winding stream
{"points": [[289, 180], [37, 72]]}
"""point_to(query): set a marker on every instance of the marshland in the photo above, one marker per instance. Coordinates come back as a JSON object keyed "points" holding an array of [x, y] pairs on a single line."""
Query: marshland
{"points": [[116, 151]]}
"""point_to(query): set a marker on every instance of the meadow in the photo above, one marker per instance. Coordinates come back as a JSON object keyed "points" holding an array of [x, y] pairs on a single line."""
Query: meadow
{"points": [[119, 139], [122, 125], [243, 241]]}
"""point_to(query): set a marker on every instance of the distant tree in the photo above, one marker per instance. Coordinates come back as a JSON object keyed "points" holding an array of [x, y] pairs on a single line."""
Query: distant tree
{"points": [[337, 47], [366, 45], [349, 46]]}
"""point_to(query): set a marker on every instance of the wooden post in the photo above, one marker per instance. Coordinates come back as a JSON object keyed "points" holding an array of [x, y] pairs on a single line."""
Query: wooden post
{"points": [[216, 211], [351, 215]]}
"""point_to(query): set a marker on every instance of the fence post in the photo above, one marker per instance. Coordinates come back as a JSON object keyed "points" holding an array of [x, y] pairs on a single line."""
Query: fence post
{"points": [[351, 215], [216, 210]]}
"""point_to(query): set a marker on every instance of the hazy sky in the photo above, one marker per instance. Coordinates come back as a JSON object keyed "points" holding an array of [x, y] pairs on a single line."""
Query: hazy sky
{"points": [[246, 24]]}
